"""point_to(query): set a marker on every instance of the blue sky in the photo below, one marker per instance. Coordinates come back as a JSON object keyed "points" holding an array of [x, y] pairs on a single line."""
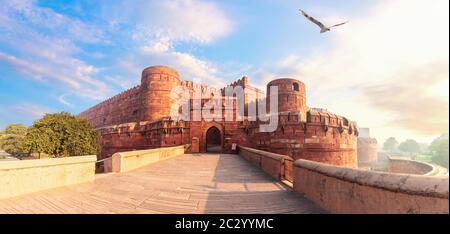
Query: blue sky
{"points": [[69, 55]]}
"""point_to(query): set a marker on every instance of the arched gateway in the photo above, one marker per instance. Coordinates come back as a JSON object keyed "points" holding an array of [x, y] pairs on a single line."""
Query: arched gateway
{"points": [[213, 140]]}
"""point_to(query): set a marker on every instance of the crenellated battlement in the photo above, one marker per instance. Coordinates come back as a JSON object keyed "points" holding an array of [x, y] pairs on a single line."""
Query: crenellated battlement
{"points": [[139, 118], [243, 82], [124, 94], [326, 119]]}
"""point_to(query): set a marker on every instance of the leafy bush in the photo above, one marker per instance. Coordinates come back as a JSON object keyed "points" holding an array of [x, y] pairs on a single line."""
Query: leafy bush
{"points": [[11, 139], [409, 146], [439, 150], [390, 144], [61, 135]]}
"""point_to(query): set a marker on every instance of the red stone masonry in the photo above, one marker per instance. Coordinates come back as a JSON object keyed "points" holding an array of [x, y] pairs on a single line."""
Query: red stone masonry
{"points": [[116, 110], [139, 118], [291, 96]]}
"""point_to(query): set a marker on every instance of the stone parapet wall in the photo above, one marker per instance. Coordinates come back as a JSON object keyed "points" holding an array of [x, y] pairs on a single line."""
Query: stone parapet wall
{"points": [[276, 165], [27, 176], [127, 161], [346, 190], [407, 166]]}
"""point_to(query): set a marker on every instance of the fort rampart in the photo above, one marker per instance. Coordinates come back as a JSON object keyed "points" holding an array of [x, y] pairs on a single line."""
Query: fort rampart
{"points": [[406, 166], [140, 118]]}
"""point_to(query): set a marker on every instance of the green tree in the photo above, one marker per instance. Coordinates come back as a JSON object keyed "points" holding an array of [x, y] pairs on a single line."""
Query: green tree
{"points": [[61, 135], [11, 139], [2, 135], [390, 144], [409, 146], [439, 151]]}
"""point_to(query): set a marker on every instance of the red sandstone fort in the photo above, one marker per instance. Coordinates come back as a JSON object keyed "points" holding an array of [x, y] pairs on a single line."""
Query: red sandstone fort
{"points": [[167, 180], [139, 118]]}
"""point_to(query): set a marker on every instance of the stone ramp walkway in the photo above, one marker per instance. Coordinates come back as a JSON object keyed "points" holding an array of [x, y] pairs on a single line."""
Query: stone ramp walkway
{"points": [[204, 183]]}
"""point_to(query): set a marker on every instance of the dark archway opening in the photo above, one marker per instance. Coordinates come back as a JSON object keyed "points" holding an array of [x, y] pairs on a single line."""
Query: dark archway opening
{"points": [[213, 140], [295, 87]]}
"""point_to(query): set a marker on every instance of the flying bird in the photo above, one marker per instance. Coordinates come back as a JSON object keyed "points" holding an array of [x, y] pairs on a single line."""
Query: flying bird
{"points": [[323, 28]]}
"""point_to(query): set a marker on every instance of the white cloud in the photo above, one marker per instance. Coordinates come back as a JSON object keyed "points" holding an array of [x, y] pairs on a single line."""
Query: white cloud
{"points": [[42, 46], [156, 35], [180, 21], [188, 65], [62, 99], [27, 11], [289, 61], [74, 74], [394, 48], [22, 112], [30, 110]]}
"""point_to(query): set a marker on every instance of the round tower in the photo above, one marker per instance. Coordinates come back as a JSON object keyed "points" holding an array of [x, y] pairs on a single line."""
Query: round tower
{"points": [[157, 83], [367, 150], [291, 96]]}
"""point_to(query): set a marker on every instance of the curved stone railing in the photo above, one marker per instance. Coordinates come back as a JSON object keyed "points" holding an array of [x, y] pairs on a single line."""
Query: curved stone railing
{"points": [[278, 166], [27, 176], [406, 166], [346, 190], [127, 161]]}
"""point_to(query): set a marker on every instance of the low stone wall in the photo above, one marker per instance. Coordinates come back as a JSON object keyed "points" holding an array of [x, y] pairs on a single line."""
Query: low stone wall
{"points": [[276, 165], [107, 165], [346, 190], [127, 161], [406, 166], [27, 176], [289, 169]]}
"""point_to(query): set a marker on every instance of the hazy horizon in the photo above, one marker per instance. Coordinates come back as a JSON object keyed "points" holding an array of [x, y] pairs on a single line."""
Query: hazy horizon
{"points": [[387, 69]]}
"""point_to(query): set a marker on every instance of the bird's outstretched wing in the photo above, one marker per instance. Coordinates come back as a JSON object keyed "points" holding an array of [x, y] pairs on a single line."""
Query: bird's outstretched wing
{"points": [[336, 25], [312, 19]]}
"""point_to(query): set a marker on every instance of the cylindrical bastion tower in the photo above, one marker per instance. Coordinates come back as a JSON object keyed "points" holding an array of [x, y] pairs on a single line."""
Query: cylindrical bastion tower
{"points": [[157, 83], [291, 96], [367, 150]]}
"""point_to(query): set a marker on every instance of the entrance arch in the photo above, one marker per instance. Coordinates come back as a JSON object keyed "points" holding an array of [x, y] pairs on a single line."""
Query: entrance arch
{"points": [[213, 140]]}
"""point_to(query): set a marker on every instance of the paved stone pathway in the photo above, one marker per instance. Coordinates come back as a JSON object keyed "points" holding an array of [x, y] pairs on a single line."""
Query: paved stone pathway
{"points": [[204, 183]]}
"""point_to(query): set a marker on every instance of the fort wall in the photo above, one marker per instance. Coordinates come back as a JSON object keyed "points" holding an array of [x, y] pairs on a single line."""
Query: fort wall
{"points": [[276, 165], [139, 119], [353, 191], [406, 166], [330, 138], [324, 137], [122, 108]]}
